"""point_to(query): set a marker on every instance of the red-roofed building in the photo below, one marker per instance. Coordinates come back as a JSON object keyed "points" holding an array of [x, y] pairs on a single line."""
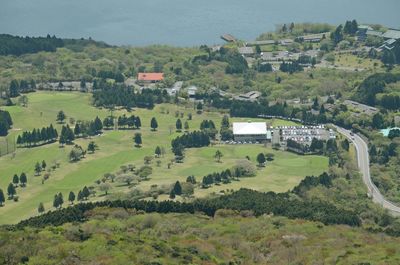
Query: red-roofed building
{"points": [[150, 77]]}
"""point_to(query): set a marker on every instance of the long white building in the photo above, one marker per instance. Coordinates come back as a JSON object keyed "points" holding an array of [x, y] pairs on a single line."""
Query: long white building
{"points": [[250, 131]]}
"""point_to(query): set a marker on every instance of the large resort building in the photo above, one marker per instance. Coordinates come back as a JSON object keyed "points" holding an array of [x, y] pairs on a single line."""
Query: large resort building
{"points": [[250, 131], [254, 132]]}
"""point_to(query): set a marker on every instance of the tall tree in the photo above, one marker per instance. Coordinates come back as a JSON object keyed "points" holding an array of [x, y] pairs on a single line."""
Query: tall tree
{"points": [[178, 125], [11, 191], [2, 198], [71, 197], [15, 180], [261, 159], [153, 124], [61, 116], [38, 168], [138, 139], [218, 155], [177, 188], [41, 208], [23, 179]]}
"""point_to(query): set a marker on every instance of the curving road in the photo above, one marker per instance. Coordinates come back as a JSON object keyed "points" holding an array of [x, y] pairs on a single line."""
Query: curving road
{"points": [[363, 164]]}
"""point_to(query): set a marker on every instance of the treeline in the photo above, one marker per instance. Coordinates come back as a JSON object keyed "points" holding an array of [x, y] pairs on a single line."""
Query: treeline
{"points": [[5, 122], [15, 45], [290, 67], [38, 137], [108, 95], [260, 203], [23, 86]]}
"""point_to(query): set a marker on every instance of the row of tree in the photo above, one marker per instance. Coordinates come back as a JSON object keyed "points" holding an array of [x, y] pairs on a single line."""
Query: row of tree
{"points": [[189, 140], [109, 95], [282, 204], [37, 137]]}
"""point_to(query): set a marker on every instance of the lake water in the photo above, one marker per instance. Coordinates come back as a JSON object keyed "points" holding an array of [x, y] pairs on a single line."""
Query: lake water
{"points": [[181, 22]]}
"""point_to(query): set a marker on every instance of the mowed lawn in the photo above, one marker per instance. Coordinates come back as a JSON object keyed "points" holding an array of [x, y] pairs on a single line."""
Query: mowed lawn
{"points": [[116, 149]]}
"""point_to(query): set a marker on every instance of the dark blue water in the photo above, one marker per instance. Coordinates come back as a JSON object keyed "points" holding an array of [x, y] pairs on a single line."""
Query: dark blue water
{"points": [[181, 22]]}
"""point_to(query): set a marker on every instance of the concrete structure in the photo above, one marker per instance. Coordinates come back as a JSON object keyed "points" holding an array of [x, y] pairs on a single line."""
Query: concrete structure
{"points": [[391, 34], [65, 86], [246, 50], [361, 108], [192, 90], [315, 37], [249, 96], [228, 38], [261, 42], [250, 132], [175, 89]]}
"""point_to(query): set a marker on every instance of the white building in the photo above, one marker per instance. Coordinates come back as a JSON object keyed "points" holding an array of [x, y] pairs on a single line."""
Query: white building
{"points": [[250, 131]]}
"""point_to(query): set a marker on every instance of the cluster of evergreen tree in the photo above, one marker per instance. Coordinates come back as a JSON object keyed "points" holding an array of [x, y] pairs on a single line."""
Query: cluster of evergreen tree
{"points": [[12, 187], [311, 181], [373, 85], [188, 140], [392, 56], [38, 137], [350, 27], [87, 128], [23, 86], [390, 101], [107, 94], [15, 45], [225, 131], [67, 135], [117, 76], [131, 122], [219, 177], [290, 67], [191, 139], [5, 122], [382, 154], [208, 127]]}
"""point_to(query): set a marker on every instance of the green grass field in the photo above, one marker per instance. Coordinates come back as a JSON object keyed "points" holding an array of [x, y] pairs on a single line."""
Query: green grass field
{"points": [[116, 149]]}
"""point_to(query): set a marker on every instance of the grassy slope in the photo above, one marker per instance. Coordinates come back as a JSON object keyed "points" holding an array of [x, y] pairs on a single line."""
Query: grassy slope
{"points": [[118, 237], [116, 149]]}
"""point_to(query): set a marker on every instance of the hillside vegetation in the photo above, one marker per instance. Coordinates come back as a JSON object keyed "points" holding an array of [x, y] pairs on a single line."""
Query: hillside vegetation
{"points": [[118, 236]]}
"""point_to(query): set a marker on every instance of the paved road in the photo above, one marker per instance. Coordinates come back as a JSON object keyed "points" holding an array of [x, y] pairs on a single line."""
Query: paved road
{"points": [[363, 164]]}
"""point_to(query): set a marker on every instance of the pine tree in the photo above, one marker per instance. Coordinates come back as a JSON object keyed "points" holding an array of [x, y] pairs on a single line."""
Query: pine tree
{"points": [[80, 196], [138, 123], [85, 193], [15, 180], [261, 159], [23, 179], [11, 191], [177, 188], [2, 198], [138, 139], [61, 116], [153, 124], [172, 194], [38, 168], [56, 203], [178, 125], [71, 197], [157, 152], [44, 165], [92, 147], [186, 126], [41, 208]]}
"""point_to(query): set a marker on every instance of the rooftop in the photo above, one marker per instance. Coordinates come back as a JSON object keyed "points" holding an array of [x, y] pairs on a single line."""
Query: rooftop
{"points": [[246, 50], [392, 34], [249, 128], [150, 76]]}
